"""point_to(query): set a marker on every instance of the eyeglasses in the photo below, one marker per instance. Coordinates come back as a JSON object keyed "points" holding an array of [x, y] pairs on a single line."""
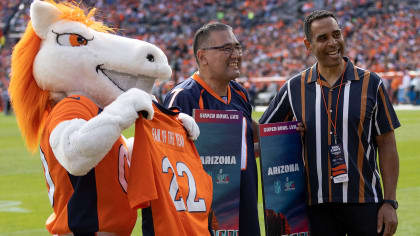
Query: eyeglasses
{"points": [[227, 48]]}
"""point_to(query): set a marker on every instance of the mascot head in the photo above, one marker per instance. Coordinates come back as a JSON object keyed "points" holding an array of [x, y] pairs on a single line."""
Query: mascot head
{"points": [[65, 51]]}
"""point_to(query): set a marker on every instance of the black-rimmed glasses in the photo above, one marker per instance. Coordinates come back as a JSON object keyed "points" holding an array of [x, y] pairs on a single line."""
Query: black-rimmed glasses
{"points": [[227, 48]]}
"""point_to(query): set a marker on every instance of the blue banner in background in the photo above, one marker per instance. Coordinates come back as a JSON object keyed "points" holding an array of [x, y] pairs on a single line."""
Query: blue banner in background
{"points": [[219, 147], [283, 182]]}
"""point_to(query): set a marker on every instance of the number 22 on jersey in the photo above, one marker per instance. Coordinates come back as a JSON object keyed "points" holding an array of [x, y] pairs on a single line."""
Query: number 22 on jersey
{"points": [[191, 204]]}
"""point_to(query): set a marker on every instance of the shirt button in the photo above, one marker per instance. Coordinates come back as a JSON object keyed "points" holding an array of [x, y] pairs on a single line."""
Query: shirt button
{"points": [[330, 132], [330, 110]]}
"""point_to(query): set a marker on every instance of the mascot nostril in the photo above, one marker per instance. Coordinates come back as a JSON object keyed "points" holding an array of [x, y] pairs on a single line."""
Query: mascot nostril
{"points": [[150, 57]]}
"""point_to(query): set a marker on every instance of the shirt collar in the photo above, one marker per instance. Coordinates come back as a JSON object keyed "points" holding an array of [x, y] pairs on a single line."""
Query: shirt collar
{"points": [[350, 72], [203, 84]]}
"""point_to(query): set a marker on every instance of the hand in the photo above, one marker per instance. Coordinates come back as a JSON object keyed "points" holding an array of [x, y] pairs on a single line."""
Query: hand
{"points": [[190, 125], [301, 129], [257, 149], [387, 217], [126, 107]]}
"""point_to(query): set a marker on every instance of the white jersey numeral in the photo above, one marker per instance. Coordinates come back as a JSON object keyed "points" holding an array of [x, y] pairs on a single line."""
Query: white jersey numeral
{"points": [[173, 188], [122, 158], [192, 205]]}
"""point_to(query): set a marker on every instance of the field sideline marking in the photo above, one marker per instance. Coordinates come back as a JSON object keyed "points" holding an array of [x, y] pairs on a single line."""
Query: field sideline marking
{"points": [[12, 206], [41, 230]]}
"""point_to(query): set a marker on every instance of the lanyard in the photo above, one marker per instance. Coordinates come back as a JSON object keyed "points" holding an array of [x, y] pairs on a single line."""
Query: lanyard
{"points": [[334, 124]]}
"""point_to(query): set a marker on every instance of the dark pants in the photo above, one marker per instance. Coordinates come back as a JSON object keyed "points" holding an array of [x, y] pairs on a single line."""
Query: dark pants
{"points": [[340, 219]]}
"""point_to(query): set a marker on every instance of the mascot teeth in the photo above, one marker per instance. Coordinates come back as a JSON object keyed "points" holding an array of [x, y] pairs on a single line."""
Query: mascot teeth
{"points": [[119, 75], [120, 78], [115, 77]]}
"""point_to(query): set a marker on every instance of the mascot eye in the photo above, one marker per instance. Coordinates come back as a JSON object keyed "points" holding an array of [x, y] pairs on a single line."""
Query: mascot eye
{"points": [[77, 40], [73, 40]]}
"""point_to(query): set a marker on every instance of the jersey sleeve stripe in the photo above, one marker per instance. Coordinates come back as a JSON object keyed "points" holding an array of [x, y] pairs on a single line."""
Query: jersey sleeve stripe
{"points": [[384, 104], [275, 109], [50, 182], [304, 147], [241, 94], [175, 93]]}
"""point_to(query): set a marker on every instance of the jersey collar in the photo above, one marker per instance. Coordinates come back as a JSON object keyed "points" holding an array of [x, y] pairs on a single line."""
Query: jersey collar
{"points": [[203, 84]]}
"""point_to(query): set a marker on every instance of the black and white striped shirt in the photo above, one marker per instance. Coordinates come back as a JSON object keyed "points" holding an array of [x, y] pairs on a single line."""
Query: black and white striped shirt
{"points": [[364, 111]]}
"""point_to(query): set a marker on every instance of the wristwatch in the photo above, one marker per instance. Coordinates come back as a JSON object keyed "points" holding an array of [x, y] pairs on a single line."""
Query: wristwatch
{"points": [[393, 203]]}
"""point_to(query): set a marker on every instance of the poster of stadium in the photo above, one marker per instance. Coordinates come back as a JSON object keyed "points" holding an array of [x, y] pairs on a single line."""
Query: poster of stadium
{"points": [[283, 182], [219, 146]]}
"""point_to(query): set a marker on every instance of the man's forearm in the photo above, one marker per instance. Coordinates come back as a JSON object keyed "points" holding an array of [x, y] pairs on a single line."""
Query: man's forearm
{"points": [[389, 163]]}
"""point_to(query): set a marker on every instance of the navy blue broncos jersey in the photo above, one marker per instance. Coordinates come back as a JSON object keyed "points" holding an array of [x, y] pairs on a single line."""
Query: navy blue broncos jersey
{"points": [[194, 93]]}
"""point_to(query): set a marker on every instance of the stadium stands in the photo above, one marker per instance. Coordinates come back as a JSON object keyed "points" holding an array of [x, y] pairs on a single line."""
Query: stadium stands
{"points": [[380, 35]]}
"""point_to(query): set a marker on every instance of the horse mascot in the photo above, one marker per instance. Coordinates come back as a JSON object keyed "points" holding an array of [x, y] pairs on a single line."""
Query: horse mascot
{"points": [[75, 86]]}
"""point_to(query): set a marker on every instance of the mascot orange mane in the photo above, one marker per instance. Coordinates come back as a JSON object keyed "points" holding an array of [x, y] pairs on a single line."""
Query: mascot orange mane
{"points": [[75, 87]]}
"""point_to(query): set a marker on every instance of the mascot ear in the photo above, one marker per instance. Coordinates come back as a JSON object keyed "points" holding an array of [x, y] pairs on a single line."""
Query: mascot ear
{"points": [[43, 14]]}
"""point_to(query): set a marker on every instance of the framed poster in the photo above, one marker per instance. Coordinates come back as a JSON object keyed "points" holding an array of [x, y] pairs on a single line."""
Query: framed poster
{"points": [[219, 147], [282, 176]]}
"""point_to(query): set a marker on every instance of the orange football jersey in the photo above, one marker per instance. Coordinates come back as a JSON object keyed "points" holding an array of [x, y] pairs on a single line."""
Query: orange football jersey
{"points": [[97, 201], [166, 174]]}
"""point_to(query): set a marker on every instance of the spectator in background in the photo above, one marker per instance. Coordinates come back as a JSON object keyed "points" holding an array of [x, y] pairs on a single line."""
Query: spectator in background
{"points": [[219, 55], [252, 91], [269, 30], [5, 105], [405, 86], [416, 89], [1, 99], [395, 87], [340, 143]]}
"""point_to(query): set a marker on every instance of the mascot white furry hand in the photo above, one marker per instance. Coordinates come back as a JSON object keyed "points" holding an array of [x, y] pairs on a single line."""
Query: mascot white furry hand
{"points": [[66, 54], [79, 144]]}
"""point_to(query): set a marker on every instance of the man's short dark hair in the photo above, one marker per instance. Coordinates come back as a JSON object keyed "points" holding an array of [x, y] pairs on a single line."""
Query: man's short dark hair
{"points": [[202, 35], [315, 15]]}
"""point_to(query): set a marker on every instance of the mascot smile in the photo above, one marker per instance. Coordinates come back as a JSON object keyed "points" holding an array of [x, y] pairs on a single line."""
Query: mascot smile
{"points": [[75, 87]]}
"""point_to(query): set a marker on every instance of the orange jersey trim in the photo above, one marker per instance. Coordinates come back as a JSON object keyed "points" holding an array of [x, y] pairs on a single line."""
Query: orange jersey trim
{"points": [[197, 78]]}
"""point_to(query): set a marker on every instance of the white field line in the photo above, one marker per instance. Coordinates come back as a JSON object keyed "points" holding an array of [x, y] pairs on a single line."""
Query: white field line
{"points": [[12, 206], [41, 231]]}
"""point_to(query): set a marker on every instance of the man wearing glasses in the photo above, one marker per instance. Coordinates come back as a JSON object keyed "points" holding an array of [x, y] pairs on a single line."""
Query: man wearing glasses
{"points": [[219, 55]]}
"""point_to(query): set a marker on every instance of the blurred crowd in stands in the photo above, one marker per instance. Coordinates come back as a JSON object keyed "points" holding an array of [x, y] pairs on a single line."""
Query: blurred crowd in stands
{"points": [[382, 36]]}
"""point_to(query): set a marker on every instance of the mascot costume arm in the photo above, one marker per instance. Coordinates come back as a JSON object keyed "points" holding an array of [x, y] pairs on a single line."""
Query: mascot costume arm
{"points": [[79, 145]]}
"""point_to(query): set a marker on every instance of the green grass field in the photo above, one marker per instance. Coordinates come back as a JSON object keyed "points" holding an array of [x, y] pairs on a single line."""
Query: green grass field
{"points": [[24, 204]]}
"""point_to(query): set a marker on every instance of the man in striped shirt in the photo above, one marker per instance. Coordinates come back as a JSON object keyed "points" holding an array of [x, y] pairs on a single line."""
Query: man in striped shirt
{"points": [[348, 118]]}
